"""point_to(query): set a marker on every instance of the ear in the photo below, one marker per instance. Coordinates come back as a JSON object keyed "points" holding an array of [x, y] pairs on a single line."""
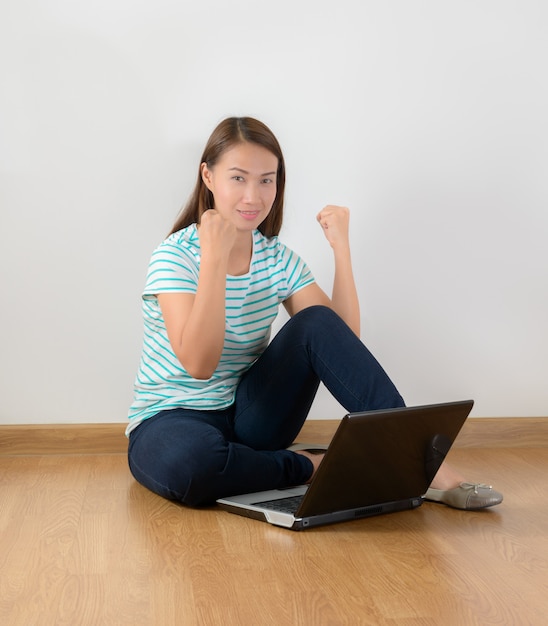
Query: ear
{"points": [[206, 175]]}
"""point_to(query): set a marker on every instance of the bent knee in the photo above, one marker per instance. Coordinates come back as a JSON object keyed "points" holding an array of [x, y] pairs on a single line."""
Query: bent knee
{"points": [[186, 474], [317, 315]]}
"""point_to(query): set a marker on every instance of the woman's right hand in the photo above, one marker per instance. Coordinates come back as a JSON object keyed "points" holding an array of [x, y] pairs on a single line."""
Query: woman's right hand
{"points": [[195, 323], [217, 235]]}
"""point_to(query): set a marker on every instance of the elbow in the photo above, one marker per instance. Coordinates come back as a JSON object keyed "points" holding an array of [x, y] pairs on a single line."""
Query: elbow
{"points": [[199, 366], [198, 371]]}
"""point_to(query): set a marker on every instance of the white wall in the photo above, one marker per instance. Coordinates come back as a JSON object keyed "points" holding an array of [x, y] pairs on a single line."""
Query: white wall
{"points": [[428, 118]]}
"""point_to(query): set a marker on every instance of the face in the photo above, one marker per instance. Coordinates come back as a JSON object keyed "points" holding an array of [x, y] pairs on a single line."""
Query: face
{"points": [[243, 184]]}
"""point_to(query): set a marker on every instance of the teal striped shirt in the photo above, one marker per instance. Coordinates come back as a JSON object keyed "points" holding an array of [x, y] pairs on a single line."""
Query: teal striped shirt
{"points": [[252, 302]]}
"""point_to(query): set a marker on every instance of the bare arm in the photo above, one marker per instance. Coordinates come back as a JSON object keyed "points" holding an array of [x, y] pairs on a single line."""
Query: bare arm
{"points": [[334, 221], [195, 324]]}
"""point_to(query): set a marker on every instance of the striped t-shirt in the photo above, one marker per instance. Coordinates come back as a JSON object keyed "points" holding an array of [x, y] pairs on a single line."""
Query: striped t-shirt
{"points": [[252, 302]]}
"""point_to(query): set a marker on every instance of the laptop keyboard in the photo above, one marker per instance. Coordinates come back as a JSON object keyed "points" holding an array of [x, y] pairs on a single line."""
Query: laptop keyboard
{"points": [[283, 505]]}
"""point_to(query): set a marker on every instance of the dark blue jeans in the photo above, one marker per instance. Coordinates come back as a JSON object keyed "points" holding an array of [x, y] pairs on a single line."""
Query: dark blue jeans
{"points": [[197, 456]]}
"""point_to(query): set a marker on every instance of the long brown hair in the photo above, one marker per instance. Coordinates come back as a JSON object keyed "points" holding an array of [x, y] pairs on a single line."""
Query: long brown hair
{"points": [[229, 133]]}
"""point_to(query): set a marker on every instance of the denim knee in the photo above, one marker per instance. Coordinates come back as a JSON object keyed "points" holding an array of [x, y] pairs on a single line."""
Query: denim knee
{"points": [[341, 361], [180, 469], [316, 314]]}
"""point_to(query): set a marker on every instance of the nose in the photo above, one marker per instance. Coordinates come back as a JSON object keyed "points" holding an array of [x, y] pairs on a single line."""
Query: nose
{"points": [[251, 194]]}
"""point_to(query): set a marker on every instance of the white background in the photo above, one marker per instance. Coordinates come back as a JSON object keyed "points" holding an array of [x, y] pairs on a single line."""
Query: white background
{"points": [[428, 118]]}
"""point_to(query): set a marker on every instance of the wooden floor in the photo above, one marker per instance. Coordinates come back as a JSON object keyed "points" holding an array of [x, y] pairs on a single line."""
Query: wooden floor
{"points": [[82, 544]]}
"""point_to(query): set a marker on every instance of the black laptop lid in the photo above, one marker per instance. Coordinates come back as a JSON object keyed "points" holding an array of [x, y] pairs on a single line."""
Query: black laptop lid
{"points": [[384, 456]]}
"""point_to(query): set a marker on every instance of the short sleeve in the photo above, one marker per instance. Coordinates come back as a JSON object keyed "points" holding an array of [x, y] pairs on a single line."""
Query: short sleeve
{"points": [[297, 272], [173, 268]]}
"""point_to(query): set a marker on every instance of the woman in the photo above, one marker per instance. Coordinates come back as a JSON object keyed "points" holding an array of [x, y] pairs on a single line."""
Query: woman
{"points": [[216, 402]]}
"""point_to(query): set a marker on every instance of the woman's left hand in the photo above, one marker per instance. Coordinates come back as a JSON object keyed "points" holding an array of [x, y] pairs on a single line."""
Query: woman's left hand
{"points": [[334, 221]]}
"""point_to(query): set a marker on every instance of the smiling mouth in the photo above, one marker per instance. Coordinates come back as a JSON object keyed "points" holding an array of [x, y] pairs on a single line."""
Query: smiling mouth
{"points": [[249, 214]]}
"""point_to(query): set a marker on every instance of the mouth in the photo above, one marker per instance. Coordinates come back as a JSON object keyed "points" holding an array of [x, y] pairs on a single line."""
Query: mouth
{"points": [[249, 215]]}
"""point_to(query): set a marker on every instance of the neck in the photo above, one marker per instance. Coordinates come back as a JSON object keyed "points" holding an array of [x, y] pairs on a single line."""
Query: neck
{"points": [[240, 255], [244, 240]]}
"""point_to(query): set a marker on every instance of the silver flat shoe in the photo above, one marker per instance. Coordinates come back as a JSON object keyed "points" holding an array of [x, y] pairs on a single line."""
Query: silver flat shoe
{"points": [[467, 496]]}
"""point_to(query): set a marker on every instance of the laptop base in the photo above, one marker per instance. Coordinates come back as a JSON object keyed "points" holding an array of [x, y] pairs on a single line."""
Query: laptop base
{"points": [[300, 523]]}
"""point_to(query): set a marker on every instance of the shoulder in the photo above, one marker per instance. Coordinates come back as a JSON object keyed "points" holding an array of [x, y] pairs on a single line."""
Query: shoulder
{"points": [[175, 263], [180, 244], [271, 247], [279, 261], [184, 238]]}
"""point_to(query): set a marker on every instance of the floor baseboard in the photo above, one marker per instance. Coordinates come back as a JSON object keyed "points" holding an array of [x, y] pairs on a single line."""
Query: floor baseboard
{"points": [[58, 439]]}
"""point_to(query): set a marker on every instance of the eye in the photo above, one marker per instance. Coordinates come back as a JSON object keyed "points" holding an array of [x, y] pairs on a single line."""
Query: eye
{"points": [[238, 178], [267, 181]]}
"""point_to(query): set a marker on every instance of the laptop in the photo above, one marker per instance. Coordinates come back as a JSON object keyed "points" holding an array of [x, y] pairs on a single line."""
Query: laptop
{"points": [[377, 462]]}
